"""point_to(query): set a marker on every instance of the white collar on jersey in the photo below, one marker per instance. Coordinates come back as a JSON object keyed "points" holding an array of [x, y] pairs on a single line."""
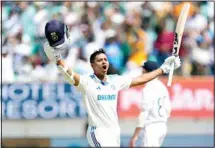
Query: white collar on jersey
{"points": [[94, 77]]}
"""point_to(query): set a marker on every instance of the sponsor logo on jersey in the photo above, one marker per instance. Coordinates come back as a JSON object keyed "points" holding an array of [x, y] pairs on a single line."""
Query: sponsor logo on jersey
{"points": [[106, 97]]}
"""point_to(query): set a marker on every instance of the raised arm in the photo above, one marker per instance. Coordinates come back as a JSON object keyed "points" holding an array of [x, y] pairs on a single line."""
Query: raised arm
{"points": [[165, 68], [55, 56], [58, 39], [68, 74], [142, 79]]}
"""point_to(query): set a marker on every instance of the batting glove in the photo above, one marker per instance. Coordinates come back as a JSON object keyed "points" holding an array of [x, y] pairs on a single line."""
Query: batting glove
{"points": [[52, 53], [166, 66]]}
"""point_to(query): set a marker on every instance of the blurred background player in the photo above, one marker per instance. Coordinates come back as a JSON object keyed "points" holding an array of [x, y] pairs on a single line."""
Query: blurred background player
{"points": [[156, 108], [100, 91]]}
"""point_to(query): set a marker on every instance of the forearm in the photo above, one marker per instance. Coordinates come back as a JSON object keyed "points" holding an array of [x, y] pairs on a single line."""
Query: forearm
{"points": [[136, 132], [140, 124], [135, 137], [69, 75], [144, 78]]}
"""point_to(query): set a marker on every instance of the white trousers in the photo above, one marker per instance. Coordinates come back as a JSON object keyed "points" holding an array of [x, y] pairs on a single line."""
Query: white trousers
{"points": [[154, 134], [103, 137]]}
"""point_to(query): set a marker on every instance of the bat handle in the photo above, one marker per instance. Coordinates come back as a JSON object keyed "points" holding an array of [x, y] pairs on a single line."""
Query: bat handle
{"points": [[170, 75]]}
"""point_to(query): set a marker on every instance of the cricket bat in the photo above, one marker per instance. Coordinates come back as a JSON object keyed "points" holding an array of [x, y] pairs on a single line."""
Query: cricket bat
{"points": [[178, 36]]}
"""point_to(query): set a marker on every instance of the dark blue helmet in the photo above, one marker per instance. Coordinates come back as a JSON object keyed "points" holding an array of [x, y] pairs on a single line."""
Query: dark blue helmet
{"points": [[56, 32]]}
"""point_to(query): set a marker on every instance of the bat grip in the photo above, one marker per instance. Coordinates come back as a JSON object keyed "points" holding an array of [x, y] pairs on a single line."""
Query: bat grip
{"points": [[170, 75]]}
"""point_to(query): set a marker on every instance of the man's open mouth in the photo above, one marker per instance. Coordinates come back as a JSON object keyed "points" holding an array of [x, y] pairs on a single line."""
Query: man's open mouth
{"points": [[104, 67]]}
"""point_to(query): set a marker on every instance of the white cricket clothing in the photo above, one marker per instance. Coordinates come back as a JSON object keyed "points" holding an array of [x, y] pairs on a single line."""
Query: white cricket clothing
{"points": [[155, 103], [100, 98], [103, 137], [154, 134], [156, 108]]}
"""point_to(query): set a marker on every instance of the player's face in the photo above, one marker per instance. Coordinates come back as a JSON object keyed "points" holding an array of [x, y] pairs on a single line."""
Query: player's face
{"points": [[100, 65]]}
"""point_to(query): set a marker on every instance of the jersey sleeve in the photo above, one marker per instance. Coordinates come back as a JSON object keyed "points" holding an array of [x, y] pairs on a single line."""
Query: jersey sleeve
{"points": [[123, 82], [147, 100]]}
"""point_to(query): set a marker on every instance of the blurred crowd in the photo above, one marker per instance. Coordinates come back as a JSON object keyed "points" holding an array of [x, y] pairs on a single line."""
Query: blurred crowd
{"points": [[130, 33]]}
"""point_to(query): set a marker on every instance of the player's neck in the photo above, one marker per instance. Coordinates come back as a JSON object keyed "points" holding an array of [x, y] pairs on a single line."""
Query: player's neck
{"points": [[101, 77]]}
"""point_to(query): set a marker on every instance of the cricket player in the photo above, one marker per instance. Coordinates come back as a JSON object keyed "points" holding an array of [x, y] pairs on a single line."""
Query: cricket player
{"points": [[156, 108], [99, 90]]}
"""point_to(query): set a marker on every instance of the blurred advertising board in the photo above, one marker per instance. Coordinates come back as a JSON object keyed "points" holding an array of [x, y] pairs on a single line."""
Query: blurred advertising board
{"points": [[41, 100], [190, 97]]}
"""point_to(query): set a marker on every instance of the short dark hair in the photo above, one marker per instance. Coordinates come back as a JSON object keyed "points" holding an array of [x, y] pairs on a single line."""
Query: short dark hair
{"points": [[150, 66], [95, 53]]}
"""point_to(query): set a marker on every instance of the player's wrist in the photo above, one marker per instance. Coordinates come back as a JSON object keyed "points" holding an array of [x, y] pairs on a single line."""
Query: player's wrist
{"points": [[61, 62], [161, 71]]}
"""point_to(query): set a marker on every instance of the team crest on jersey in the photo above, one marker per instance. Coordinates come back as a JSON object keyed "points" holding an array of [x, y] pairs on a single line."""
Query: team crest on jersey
{"points": [[54, 36], [113, 87]]}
